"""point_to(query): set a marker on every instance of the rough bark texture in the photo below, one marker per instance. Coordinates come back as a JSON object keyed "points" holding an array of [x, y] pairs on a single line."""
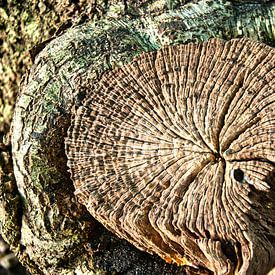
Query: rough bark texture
{"points": [[25, 24], [56, 233]]}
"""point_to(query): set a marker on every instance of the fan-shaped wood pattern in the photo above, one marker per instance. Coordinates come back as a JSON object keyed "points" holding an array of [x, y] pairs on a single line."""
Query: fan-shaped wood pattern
{"points": [[175, 153]]}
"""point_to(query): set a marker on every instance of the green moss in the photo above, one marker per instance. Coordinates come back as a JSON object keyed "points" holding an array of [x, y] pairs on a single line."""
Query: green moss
{"points": [[10, 203], [32, 29]]}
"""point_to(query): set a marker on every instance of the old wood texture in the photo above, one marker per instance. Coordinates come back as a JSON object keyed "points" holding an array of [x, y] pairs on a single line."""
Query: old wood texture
{"points": [[175, 152], [56, 233]]}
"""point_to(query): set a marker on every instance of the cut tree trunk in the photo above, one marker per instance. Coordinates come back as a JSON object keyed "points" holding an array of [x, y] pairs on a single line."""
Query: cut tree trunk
{"points": [[50, 231]]}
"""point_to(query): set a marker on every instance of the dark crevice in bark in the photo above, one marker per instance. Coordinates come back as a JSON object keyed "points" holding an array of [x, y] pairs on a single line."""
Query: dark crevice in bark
{"points": [[229, 251], [238, 175]]}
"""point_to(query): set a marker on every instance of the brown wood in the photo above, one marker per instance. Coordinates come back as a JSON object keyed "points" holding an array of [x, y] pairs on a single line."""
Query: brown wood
{"points": [[175, 153]]}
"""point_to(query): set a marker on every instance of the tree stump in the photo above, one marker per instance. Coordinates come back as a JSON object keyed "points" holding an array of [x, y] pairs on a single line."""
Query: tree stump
{"points": [[53, 232]]}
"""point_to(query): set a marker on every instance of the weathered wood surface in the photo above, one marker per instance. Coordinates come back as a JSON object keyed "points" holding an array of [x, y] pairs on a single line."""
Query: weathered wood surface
{"points": [[169, 150], [55, 229]]}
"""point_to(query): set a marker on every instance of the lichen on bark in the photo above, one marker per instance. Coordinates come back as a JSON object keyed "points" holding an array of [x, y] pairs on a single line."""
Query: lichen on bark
{"points": [[54, 226]]}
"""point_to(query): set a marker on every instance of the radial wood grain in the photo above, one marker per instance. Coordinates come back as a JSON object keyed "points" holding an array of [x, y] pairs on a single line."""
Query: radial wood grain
{"points": [[175, 152]]}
